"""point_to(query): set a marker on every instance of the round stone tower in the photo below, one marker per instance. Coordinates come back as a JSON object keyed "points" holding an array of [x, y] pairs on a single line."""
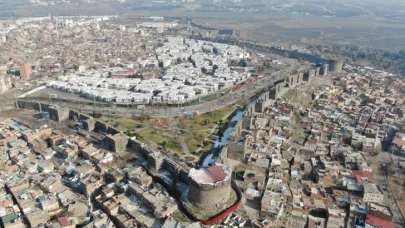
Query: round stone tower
{"points": [[210, 186], [335, 65]]}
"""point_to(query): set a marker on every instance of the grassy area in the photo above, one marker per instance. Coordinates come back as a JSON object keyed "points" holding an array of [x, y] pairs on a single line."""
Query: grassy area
{"points": [[123, 124], [192, 144], [205, 121], [290, 94], [158, 137], [129, 124], [242, 101], [153, 136], [107, 119], [178, 216], [195, 143], [201, 127]]}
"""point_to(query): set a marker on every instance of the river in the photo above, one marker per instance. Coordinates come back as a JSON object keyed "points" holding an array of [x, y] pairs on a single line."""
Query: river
{"points": [[221, 142]]}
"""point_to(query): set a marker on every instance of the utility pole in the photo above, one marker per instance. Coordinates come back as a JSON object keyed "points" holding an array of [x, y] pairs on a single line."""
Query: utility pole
{"points": [[218, 98]]}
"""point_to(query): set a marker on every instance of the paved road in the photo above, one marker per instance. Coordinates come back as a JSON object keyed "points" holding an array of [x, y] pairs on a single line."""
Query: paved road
{"points": [[389, 200]]}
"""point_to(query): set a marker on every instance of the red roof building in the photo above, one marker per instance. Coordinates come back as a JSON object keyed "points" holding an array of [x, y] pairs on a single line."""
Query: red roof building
{"points": [[361, 175], [378, 223], [149, 76], [64, 222], [398, 142]]}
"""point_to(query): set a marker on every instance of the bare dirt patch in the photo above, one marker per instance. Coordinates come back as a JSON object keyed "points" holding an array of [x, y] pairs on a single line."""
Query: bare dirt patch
{"points": [[160, 122]]}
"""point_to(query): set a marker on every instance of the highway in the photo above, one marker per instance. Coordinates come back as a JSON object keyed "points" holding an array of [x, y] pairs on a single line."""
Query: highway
{"points": [[222, 101]]}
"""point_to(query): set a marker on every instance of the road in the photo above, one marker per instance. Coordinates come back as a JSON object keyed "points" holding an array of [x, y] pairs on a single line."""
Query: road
{"points": [[180, 138], [222, 101], [381, 179]]}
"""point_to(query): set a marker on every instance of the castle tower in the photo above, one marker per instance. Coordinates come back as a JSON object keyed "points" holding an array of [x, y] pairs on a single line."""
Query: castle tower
{"points": [[210, 186]]}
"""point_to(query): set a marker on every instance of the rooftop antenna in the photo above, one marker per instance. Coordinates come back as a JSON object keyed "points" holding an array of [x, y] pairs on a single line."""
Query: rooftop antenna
{"points": [[56, 28], [121, 43]]}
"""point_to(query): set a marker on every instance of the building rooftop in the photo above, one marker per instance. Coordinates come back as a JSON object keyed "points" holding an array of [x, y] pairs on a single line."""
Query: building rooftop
{"points": [[211, 175], [378, 222]]}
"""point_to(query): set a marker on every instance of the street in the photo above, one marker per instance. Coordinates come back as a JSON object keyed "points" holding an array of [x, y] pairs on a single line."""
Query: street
{"points": [[381, 178]]}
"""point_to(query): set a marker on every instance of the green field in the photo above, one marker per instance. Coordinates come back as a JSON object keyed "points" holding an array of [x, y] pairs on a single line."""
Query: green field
{"points": [[142, 129], [201, 127], [157, 136], [205, 121]]}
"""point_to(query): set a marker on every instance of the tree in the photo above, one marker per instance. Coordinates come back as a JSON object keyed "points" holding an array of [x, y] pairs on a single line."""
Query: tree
{"points": [[205, 122], [97, 114], [164, 145], [378, 148]]}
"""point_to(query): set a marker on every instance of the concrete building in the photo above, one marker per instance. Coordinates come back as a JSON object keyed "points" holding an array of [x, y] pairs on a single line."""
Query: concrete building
{"points": [[236, 150], [5, 83], [335, 65], [324, 70], [316, 222], [117, 142], [381, 212], [37, 217], [372, 193], [210, 186], [58, 114], [25, 71]]}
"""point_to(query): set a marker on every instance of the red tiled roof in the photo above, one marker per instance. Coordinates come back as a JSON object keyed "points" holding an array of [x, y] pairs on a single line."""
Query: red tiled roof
{"points": [[216, 172], [360, 174], [398, 141], [63, 221], [363, 174], [377, 222]]}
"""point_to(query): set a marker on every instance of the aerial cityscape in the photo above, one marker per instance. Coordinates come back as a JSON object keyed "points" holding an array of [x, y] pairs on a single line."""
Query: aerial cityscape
{"points": [[202, 113]]}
